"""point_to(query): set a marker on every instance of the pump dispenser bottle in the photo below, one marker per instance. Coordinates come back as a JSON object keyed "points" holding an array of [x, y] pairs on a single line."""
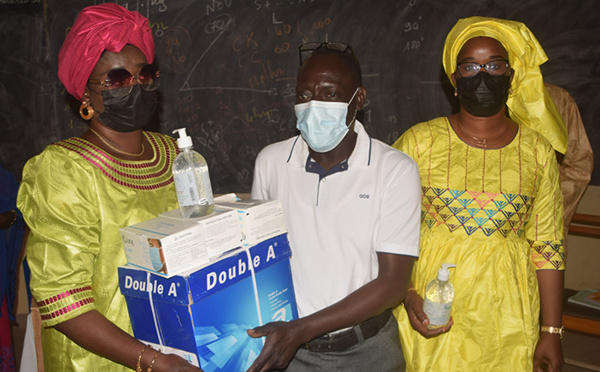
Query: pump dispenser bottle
{"points": [[192, 181], [439, 296]]}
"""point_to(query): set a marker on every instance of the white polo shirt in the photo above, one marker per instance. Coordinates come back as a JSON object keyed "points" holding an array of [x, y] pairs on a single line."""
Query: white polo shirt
{"points": [[339, 220]]}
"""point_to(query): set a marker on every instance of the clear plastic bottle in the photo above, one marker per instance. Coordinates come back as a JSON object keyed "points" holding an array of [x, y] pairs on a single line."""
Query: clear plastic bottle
{"points": [[192, 181], [439, 295]]}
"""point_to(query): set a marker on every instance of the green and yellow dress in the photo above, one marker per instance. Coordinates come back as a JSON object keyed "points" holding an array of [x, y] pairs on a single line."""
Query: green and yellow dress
{"points": [[497, 215], [75, 197]]}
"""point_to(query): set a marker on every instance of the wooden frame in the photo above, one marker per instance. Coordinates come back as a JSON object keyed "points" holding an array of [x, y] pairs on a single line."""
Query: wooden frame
{"points": [[576, 317], [585, 225]]}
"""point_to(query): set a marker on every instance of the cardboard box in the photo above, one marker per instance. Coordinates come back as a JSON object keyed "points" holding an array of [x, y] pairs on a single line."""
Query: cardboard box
{"points": [[259, 219], [221, 230], [170, 244], [164, 245], [203, 316]]}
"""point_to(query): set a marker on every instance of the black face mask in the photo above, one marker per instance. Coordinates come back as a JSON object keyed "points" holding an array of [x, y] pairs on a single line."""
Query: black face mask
{"points": [[483, 95], [130, 112]]}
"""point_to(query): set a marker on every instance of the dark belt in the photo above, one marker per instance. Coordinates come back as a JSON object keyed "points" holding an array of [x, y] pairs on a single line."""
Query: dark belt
{"points": [[336, 342]]}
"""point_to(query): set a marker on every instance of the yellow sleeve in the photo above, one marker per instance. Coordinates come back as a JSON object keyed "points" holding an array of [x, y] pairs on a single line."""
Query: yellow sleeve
{"points": [[57, 199], [407, 143], [544, 229]]}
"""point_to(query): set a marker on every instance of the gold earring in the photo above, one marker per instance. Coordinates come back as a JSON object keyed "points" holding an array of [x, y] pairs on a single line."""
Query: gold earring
{"points": [[88, 109]]}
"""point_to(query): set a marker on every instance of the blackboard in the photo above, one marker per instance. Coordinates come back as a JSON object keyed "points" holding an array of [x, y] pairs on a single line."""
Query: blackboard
{"points": [[228, 68]]}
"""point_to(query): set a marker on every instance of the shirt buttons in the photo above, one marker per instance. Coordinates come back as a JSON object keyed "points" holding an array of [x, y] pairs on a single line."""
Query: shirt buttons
{"points": [[324, 179]]}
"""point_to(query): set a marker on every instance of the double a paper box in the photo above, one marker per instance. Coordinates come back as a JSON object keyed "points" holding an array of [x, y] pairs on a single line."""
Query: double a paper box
{"points": [[221, 230], [259, 219], [169, 244], [164, 245], [203, 316]]}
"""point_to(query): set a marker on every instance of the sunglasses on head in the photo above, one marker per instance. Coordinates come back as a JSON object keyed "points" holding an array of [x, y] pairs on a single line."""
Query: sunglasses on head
{"points": [[314, 45], [148, 78]]}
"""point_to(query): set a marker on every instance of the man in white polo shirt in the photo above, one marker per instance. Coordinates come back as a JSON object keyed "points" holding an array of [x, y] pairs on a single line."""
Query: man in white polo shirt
{"points": [[352, 206]]}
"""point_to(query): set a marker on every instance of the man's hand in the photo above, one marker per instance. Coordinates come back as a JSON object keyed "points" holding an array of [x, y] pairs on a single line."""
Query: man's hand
{"points": [[282, 342], [548, 351], [418, 319], [385, 291]]}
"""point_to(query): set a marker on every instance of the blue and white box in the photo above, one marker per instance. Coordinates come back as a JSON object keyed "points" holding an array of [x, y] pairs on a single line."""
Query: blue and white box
{"points": [[170, 244], [203, 316], [164, 245], [259, 219], [221, 230]]}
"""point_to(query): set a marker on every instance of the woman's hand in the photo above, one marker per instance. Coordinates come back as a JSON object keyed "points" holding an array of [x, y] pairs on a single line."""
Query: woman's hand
{"points": [[173, 363], [7, 219], [548, 351], [413, 303], [92, 331]]}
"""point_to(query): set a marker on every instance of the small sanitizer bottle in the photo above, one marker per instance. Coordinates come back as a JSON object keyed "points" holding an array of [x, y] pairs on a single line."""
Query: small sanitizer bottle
{"points": [[439, 296], [192, 181]]}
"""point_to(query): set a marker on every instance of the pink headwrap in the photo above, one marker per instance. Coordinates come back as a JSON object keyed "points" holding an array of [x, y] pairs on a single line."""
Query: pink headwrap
{"points": [[97, 28]]}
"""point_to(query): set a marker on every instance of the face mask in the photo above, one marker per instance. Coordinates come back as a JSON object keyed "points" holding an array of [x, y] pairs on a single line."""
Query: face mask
{"points": [[483, 95], [130, 112], [155, 258], [323, 124]]}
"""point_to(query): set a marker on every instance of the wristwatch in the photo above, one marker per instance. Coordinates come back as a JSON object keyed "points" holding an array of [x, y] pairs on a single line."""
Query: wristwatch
{"points": [[560, 331]]}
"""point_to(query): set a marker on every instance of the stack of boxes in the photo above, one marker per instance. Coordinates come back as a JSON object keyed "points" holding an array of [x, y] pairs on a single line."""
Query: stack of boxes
{"points": [[193, 287]]}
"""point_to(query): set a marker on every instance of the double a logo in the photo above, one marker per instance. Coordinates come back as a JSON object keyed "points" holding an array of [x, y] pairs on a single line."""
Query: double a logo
{"points": [[243, 263]]}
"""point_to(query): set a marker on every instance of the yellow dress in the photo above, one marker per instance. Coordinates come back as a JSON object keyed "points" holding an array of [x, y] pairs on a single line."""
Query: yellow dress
{"points": [[497, 215], [75, 198]]}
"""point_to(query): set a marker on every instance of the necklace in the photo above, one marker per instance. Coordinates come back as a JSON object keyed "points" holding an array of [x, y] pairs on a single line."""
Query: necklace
{"points": [[105, 141], [480, 142]]}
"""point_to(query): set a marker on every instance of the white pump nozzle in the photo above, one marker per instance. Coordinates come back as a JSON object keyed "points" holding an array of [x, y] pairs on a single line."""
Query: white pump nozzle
{"points": [[443, 273], [184, 140]]}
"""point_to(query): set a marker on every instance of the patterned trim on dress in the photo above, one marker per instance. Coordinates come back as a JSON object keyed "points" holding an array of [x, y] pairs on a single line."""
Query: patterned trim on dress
{"points": [[142, 175], [473, 212], [547, 254], [65, 302]]}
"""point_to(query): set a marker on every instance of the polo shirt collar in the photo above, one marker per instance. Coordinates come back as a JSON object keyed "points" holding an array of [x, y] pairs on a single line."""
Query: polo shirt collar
{"points": [[360, 157]]}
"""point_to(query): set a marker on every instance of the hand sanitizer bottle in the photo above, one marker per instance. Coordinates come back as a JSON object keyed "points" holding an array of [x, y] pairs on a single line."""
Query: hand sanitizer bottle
{"points": [[192, 181], [439, 295]]}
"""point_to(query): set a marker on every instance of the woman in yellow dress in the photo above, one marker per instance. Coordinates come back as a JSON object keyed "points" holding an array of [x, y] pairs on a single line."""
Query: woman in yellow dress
{"points": [[491, 205], [78, 193]]}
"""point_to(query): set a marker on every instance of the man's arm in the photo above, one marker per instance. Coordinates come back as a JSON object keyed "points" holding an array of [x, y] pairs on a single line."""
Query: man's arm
{"points": [[382, 293]]}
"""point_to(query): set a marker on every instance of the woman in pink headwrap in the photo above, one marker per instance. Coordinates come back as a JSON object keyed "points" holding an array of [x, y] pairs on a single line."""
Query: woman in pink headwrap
{"points": [[78, 193]]}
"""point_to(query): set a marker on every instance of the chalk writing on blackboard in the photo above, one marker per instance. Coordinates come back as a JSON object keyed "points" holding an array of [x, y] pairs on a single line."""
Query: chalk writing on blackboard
{"points": [[228, 67]]}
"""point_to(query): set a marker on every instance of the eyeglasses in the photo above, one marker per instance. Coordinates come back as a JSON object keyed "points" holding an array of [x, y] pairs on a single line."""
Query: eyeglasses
{"points": [[314, 45], [494, 68], [148, 78]]}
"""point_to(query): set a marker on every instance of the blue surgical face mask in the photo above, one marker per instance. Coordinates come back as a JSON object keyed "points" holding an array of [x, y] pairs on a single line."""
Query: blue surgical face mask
{"points": [[155, 257], [323, 124]]}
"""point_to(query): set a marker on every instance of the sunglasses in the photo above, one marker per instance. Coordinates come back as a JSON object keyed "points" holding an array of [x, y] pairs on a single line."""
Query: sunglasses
{"points": [[148, 78], [314, 45]]}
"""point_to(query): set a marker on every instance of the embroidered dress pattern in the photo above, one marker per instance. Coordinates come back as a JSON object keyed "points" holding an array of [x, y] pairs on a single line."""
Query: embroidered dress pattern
{"points": [[65, 302], [134, 174]]}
